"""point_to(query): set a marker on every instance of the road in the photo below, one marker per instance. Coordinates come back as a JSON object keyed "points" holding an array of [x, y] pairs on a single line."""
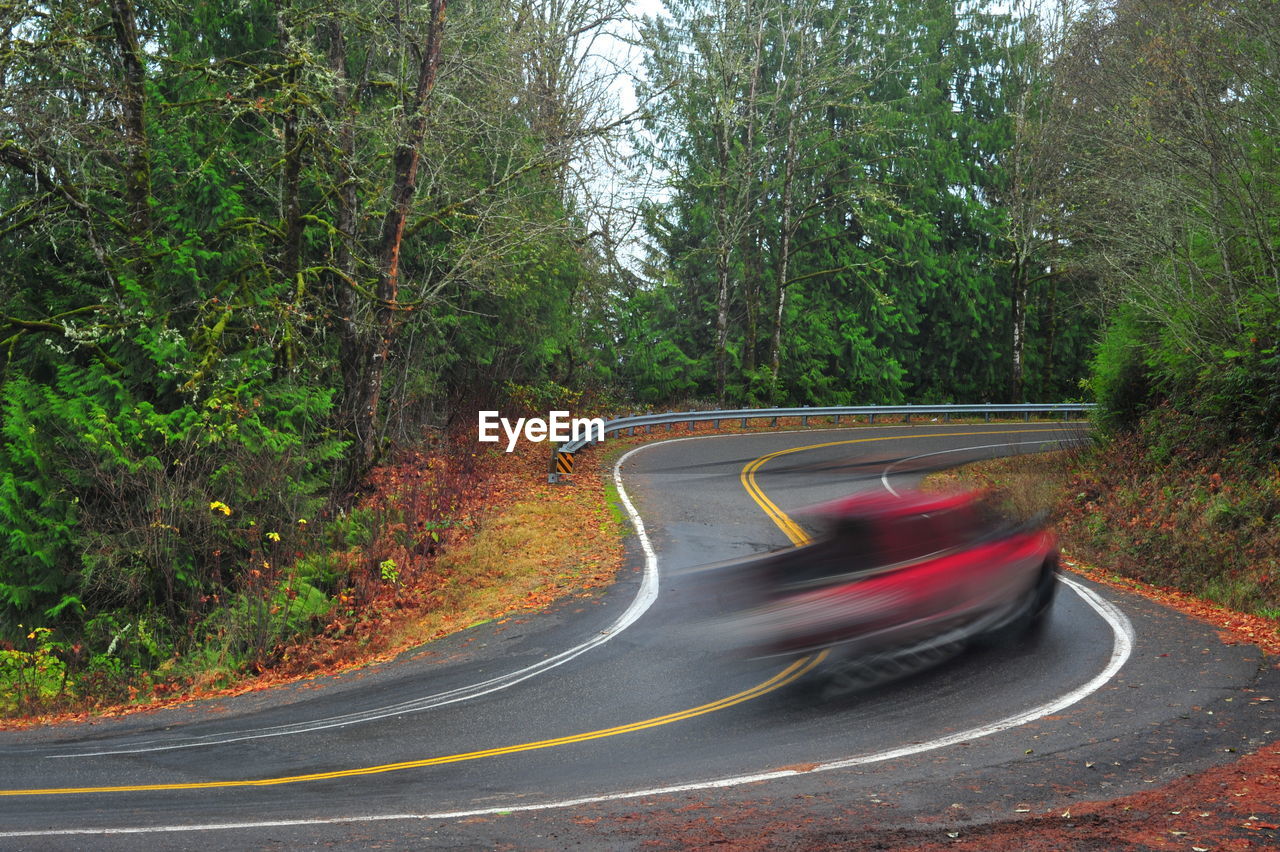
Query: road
{"points": [[579, 724]]}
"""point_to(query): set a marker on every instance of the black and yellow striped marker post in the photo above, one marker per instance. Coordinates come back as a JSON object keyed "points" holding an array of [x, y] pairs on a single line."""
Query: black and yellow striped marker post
{"points": [[561, 465]]}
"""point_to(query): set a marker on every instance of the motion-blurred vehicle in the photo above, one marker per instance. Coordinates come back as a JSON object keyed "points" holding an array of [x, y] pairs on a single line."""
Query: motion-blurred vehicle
{"points": [[895, 582]]}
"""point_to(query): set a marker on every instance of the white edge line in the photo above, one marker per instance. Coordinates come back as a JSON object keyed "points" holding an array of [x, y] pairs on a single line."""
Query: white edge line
{"points": [[1121, 650], [645, 596], [884, 477]]}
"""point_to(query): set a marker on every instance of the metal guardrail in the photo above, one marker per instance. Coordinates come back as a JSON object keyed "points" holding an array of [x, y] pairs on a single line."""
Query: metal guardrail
{"points": [[562, 457]]}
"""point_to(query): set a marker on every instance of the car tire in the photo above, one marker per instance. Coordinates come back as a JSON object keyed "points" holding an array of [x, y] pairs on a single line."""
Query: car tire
{"points": [[1031, 614], [1046, 588]]}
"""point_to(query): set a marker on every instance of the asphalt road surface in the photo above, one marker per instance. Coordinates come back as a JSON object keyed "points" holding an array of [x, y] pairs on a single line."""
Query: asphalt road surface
{"points": [[576, 725]]}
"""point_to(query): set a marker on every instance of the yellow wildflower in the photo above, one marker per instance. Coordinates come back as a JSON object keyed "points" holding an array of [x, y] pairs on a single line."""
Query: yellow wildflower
{"points": [[219, 506], [274, 536]]}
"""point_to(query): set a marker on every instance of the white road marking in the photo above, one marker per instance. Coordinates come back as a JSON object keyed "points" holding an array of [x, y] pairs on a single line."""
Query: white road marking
{"points": [[884, 477], [1121, 650], [645, 596]]}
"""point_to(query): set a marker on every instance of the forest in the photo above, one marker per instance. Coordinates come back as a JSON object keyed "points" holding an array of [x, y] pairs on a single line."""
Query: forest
{"points": [[250, 250]]}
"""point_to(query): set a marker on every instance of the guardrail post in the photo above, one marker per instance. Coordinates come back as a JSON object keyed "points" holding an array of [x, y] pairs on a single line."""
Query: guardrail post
{"points": [[773, 422], [561, 466], [871, 418], [744, 423], [715, 424], [837, 421], [1026, 417], [946, 417], [986, 415]]}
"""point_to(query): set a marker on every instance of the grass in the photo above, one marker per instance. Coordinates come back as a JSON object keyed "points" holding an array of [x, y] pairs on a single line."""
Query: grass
{"points": [[528, 555], [615, 503], [523, 553]]}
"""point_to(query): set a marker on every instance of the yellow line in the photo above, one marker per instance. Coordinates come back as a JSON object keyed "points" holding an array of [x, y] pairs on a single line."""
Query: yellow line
{"points": [[784, 522], [786, 676]]}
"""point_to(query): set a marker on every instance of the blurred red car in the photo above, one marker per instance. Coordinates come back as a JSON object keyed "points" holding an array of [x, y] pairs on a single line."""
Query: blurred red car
{"points": [[902, 578]]}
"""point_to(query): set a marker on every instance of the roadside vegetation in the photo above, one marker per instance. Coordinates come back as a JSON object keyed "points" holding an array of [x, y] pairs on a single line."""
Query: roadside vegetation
{"points": [[442, 541]]}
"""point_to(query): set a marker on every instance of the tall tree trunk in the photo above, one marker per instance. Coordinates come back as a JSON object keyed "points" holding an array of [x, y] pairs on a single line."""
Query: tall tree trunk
{"points": [[137, 179], [786, 228], [341, 276], [368, 392], [722, 320], [290, 192], [290, 205], [1021, 290], [1052, 341], [735, 161], [751, 267], [724, 246]]}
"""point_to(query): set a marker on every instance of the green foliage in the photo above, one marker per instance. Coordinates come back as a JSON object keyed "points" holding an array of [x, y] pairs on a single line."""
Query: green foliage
{"points": [[847, 216], [1121, 380], [203, 338], [1166, 136], [1239, 395], [543, 397], [105, 493], [32, 677], [353, 529], [254, 621]]}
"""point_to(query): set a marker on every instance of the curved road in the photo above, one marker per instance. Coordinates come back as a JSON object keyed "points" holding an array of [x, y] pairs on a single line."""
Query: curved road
{"points": [[580, 723]]}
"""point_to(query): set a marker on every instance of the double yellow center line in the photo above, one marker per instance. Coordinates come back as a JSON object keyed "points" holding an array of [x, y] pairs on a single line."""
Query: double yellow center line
{"points": [[788, 675], [784, 522]]}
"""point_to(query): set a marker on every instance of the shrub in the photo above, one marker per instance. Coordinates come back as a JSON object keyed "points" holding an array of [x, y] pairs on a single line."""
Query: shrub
{"points": [[1121, 380], [106, 488]]}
